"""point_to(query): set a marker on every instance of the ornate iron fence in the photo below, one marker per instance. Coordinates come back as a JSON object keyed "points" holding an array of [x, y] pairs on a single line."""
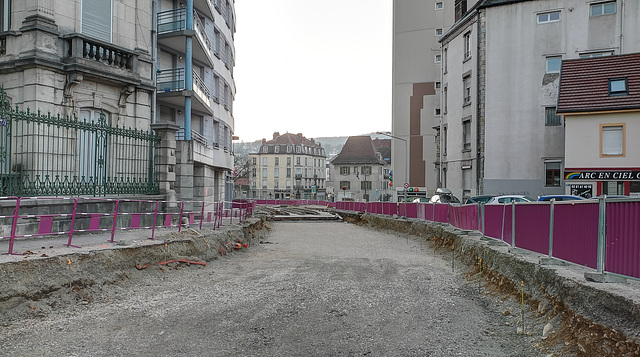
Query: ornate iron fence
{"points": [[42, 154]]}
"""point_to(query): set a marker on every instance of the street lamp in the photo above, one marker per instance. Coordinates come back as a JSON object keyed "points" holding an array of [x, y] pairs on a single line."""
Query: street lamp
{"points": [[406, 154]]}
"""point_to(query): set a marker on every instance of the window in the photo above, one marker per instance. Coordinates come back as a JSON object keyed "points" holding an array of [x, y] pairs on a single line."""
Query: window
{"points": [[553, 64], [552, 173], [5, 15], [618, 86], [288, 172], [439, 5], [604, 8], [253, 172], [438, 58], [467, 45], [613, 188], [466, 83], [466, 181], [264, 172], [277, 159], [596, 54], [438, 85], [276, 172], [265, 149], [288, 183], [288, 161], [276, 184], [254, 161], [436, 111], [264, 183], [264, 161], [438, 32], [345, 184], [297, 161], [298, 149], [366, 170], [289, 148], [345, 170], [444, 141], [365, 185], [547, 17], [444, 99], [466, 135], [96, 19], [276, 149], [612, 140], [551, 118]]}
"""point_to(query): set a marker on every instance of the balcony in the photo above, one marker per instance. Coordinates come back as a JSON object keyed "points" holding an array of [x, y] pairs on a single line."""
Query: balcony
{"points": [[172, 30], [97, 59], [171, 89]]}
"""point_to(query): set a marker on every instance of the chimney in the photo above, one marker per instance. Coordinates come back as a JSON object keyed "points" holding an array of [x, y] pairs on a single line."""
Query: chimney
{"points": [[264, 141], [275, 135]]}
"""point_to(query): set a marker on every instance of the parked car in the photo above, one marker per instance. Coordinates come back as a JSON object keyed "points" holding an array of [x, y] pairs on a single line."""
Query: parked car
{"points": [[444, 195], [479, 199], [560, 198], [510, 198], [420, 199]]}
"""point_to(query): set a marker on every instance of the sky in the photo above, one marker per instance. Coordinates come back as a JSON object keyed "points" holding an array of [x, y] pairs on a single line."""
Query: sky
{"points": [[320, 68]]}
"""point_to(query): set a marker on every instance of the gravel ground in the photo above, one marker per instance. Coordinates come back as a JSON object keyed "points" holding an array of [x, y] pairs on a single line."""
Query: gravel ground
{"points": [[309, 289]]}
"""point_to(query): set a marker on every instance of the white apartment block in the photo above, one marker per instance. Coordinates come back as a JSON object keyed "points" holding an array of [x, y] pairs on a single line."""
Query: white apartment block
{"points": [[501, 73]]}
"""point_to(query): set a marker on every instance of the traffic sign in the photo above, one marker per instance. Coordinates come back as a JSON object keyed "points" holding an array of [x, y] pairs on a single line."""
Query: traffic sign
{"points": [[406, 185]]}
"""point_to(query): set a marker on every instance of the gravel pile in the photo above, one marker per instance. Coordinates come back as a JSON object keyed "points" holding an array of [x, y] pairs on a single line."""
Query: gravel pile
{"points": [[307, 289]]}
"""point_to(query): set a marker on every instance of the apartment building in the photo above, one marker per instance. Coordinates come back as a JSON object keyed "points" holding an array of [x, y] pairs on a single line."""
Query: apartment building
{"points": [[195, 91], [289, 166], [500, 132], [416, 107], [100, 74]]}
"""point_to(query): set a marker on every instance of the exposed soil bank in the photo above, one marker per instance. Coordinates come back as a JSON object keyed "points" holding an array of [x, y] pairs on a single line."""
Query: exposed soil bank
{"points": [[38, 284], [594, 319]]}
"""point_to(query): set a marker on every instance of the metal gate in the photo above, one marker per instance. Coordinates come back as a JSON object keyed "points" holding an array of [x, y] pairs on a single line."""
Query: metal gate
{"points": [[43, 155]]}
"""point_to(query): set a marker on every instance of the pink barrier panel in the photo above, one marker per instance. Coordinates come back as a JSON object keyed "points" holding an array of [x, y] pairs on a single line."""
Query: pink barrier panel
{"points": [[441, 213], [575, 233], [135, 220], [412, 210], [389, 208], [623, 238], [402, 209], [46, 223], [532, 227], [464, 217], [494, 216], [421, 210]]}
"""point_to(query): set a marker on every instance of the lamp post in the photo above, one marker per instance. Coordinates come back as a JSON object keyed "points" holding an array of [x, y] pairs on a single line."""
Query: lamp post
{"points": [[406, 155]]}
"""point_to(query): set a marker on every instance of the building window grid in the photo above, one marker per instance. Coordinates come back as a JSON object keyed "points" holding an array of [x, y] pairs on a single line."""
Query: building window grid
{"points": [[612, 140], [466, 135], [603, 8], [467, 45], [552, 173], [548, 17], [467, 90], [553, 64]]}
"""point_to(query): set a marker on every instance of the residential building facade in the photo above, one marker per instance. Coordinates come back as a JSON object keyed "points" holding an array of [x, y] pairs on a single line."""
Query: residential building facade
{"points": [[359, 172], [416, 107], [109, 66], [289, 166], [500, 130], [602, 119], [195, 91]]}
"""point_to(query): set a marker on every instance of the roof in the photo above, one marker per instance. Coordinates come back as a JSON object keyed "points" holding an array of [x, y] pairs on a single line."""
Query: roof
{"points": [[309, 146], [383, 146], [357, 150], [584, 84]]}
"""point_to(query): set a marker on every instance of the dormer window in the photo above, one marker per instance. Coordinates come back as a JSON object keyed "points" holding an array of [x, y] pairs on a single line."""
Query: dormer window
{"points": [[265, 149], [618, 86]]}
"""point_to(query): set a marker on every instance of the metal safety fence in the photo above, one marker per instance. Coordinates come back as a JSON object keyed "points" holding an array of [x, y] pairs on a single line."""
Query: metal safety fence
{"points": [[71, 216], [602, 234]]}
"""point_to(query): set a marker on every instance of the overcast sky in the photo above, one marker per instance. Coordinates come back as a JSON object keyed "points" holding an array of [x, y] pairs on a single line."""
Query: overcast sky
{"points": [[320, 68]]}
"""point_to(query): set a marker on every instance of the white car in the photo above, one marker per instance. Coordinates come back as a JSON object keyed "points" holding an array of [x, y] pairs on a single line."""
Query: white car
{"points": [[510, 198]]}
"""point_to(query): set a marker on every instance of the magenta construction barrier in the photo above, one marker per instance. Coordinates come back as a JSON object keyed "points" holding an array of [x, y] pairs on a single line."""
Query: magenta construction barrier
{"points": [[575, 233], [441, 212], [532, 226], [494, 218], [623, 238], [464, 217]]}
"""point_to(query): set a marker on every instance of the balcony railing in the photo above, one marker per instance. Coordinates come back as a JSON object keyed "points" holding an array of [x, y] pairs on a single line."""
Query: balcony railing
{"points": [[195, 136], [86, 48], [201, 88], [172, 20], [170, 80]]}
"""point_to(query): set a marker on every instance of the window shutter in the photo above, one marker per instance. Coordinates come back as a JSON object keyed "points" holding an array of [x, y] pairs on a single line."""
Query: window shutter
{"points": [[96, 19], [612, 141]]}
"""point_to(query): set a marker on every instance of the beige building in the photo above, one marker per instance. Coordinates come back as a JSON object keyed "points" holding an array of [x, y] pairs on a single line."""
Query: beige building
{"points": [[289, 166], [121, 65]]}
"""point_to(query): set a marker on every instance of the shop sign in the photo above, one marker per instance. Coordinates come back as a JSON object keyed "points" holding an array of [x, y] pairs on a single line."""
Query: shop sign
{"points": [[617, 175], [585, 191]]}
